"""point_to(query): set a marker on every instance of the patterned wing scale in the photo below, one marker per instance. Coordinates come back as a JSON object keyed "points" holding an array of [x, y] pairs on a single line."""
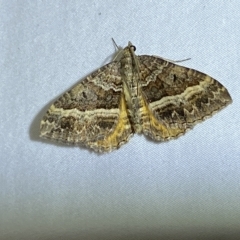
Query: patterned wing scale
{"points": [[176, 98], [92, 113]]}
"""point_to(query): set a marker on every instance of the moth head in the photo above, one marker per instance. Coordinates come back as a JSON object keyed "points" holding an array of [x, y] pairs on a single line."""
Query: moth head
{"points": [[132, 47]]}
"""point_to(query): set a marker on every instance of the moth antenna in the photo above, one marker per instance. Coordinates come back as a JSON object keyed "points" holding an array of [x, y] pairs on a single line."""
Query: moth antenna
{"points": [[115, 44]]}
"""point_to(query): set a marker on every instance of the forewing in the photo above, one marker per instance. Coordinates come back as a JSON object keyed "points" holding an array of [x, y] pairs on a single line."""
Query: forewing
{"points": [[92, 113], [176, 98]]}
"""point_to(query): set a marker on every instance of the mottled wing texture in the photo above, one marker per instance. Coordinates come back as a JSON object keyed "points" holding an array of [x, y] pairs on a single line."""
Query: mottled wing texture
{"points": [[176, 98], [93, 113]]}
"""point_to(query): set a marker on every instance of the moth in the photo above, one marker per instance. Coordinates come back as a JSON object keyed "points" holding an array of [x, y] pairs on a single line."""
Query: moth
{"points": [[133, 94]]}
